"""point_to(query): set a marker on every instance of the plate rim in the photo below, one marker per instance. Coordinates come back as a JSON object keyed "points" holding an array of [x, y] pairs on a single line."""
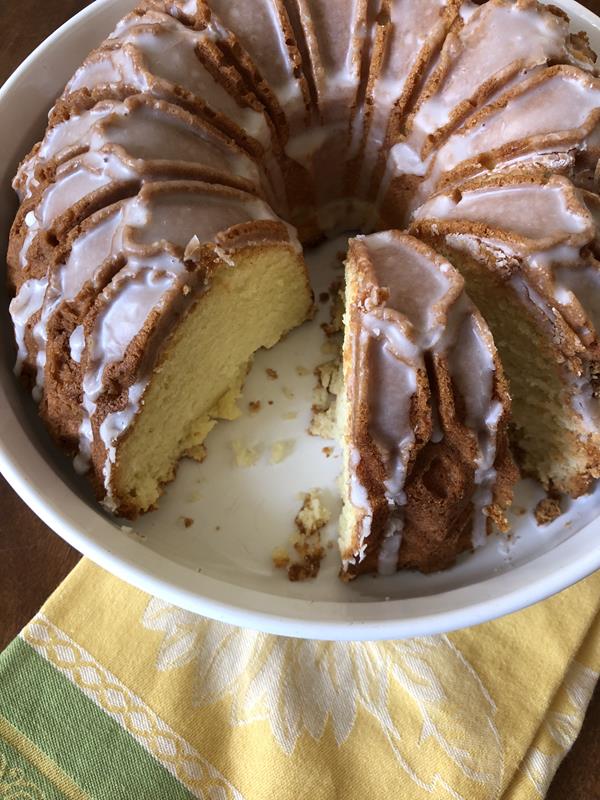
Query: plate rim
{"points": [[329, 620]]}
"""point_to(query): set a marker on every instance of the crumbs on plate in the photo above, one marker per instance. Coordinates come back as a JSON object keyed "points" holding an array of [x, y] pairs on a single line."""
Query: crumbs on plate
{"points": [[309, 550]]}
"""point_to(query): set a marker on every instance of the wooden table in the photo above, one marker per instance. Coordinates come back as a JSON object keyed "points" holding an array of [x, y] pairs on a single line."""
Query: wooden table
{"points": [[33, 560]]}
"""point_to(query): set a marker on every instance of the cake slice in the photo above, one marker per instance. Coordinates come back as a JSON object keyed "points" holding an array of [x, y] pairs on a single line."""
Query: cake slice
{"points": [[554, 110], [152, 52], [144, 128], [494, 46], [547, 119], [423, 413], [257, 37], [154, 310], [525, 247]]}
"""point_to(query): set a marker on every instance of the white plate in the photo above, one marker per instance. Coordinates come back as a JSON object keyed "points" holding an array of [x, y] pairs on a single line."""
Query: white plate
{"points": [[227, 573]]}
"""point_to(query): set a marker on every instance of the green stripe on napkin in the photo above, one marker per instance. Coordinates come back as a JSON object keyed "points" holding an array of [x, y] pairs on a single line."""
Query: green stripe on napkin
{"points": [[102, 759]]}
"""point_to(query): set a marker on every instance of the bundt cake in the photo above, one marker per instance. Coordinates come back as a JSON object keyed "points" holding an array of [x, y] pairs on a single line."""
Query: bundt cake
{"points": [[157, 246], [524, 244], [423, 413]]}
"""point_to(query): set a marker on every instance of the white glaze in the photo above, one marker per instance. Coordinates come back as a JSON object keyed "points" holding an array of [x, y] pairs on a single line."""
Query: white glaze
{"points": [[77, 344], [257, 26], [531, 210], [22, 307]]}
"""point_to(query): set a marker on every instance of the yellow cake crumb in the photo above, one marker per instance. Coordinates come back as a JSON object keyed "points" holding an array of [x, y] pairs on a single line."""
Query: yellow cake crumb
{"points": [[280, 558], [324, 414], [306, 542], [313, 515], [245, 455], [281, 450]]}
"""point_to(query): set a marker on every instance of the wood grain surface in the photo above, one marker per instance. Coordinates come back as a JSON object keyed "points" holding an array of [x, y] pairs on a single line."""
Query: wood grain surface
{"points": [[33, 560]]}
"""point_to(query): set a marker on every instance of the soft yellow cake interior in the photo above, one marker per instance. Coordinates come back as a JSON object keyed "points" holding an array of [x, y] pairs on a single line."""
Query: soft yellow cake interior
{"points": [[248, 306], [546, 428]]}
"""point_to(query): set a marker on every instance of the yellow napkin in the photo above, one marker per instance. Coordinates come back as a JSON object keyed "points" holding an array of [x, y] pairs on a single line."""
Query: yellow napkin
{"points": [[112, 693]]}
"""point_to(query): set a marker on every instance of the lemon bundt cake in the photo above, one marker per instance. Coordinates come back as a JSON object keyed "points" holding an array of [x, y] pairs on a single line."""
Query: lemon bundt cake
{"points": [[424, 412], [157, 247]]}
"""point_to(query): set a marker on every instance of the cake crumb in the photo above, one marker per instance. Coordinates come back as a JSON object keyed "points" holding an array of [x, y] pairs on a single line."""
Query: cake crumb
{"points": [[547, 510], [245, 456], [217, 527], [324, 297], [270, 402], [281, 450], [329, 375], [324, 420], [498, 517], [187, 521], [272, 373], [336, 310], [186, 289], [324, 423], [312, 517], [287, 392], [289, 415], [280, 558], [328, 451], [254, 406], [133, 534], [197, 453], [300, 370], [306, 542]]}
